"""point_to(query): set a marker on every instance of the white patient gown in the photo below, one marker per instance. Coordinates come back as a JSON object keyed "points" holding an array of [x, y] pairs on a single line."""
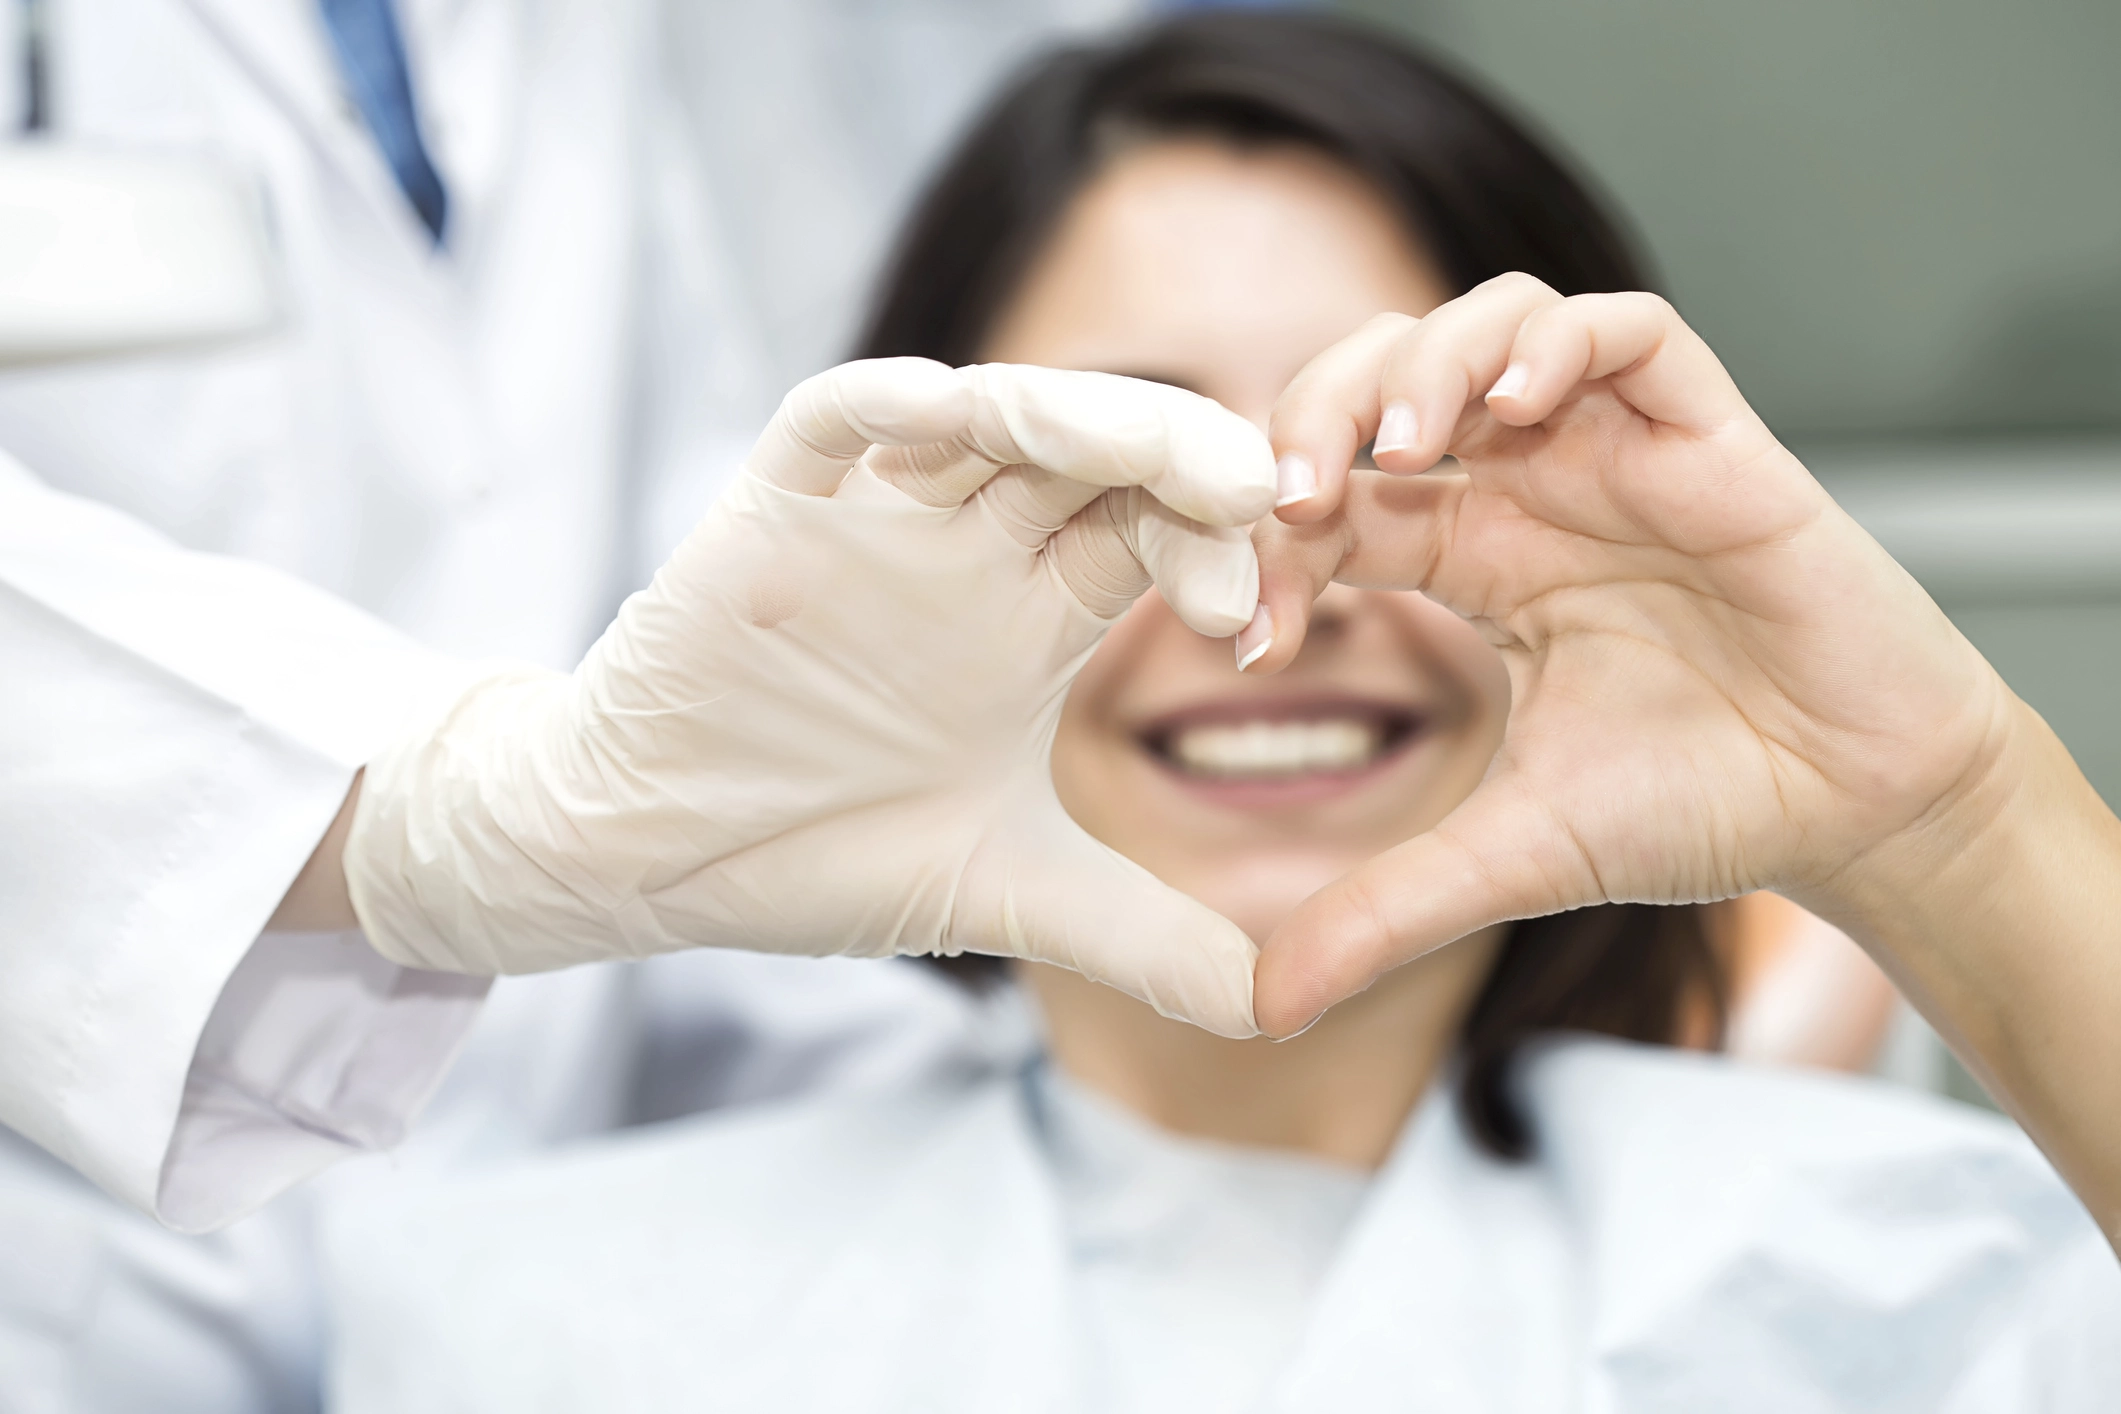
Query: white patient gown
{"points": [[1691, 1236]]}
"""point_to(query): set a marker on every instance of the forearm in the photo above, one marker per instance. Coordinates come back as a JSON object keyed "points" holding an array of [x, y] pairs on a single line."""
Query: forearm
{"points": [[2001, 919], [317, 901]]}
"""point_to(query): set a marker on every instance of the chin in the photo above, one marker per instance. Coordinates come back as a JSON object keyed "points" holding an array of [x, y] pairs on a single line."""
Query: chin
{"points": [[1259, 892]]}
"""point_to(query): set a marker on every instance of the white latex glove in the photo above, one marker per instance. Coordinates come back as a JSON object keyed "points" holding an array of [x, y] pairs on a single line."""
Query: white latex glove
{"points": [[826, 727]]}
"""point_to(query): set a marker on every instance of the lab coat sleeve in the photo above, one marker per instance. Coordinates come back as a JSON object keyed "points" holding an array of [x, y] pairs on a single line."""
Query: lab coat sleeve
{"points": [[176, 732]]}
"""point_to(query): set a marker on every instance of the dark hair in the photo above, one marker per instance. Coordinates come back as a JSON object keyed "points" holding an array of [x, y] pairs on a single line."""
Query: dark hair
{"points": [[1483, 197], [1481, 194]]}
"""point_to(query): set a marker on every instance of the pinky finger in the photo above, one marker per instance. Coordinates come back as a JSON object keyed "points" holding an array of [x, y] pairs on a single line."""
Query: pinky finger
{"points": [[1296, 563], [1324, 417]]}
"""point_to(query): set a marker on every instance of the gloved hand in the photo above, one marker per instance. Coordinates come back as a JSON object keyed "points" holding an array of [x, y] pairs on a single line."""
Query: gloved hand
{"points": [[825, 727]]}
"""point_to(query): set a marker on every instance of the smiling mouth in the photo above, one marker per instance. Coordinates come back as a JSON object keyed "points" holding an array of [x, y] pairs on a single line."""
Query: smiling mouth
{"points": [[1281, 748]]}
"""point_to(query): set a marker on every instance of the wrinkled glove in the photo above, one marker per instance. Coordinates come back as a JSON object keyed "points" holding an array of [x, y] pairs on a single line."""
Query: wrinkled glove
{"points": [[826, 727]]}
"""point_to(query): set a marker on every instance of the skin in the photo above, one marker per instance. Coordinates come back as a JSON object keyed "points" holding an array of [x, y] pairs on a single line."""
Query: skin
{"points": [[1222, 271], [1807, 994], [1720, 683], [318, 901]]}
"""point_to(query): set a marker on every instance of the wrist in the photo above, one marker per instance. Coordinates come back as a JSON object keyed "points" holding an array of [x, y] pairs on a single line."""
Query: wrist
{"points": [[2022, 821], [318, 900], [1997, 920]]}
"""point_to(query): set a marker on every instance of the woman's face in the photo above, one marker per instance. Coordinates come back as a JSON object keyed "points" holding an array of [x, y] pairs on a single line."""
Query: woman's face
{"points": [[1224, 270]]}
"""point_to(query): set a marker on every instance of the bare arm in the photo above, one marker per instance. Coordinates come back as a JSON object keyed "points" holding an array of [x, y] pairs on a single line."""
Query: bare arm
{"points": [[2001, 920], [1720, 684]]}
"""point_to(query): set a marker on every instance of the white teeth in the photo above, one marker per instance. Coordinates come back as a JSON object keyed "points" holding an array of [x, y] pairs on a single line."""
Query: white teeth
{"points": [[1268, 749]]}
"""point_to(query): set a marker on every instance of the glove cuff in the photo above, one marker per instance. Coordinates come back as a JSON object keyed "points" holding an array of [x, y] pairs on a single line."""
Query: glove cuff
{"points": [[434, 865]]}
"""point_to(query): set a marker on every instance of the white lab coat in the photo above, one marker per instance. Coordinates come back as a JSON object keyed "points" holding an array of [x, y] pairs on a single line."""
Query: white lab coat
{"points": [[461, 447], [227, 576], [102, 1309], [482, 451], [471, 455], [1692, 1235]]}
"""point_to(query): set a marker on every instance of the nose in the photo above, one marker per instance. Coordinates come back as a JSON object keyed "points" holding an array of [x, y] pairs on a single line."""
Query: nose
{"points": [[1331, 618]]}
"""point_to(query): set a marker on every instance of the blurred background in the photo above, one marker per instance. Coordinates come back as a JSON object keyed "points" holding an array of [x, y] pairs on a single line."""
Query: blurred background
{"points": [[1899, 223]]}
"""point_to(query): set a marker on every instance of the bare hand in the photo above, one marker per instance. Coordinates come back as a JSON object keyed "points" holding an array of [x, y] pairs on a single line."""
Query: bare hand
{"points": [[1720, 682]]}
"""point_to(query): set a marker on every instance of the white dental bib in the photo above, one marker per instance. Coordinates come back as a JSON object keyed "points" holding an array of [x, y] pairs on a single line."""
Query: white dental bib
{"points": [[1693, 1236]]}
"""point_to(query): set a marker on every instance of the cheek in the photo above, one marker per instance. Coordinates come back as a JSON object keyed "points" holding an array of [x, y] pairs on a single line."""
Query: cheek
{"points": [[1253, 871], [1089, 744], [1257, 888], [1456, 654], [1127, 649]]}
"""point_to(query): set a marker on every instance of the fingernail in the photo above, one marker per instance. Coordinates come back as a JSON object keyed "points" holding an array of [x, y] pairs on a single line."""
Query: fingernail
{"points": [[1255, 638], [1515, 379], [1295, 479], [1396, 428], [1301, 1029]]}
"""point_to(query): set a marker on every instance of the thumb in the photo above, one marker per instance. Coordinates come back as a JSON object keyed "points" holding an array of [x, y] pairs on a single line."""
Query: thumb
{"points": [[1501, 855], [1043, 889]]}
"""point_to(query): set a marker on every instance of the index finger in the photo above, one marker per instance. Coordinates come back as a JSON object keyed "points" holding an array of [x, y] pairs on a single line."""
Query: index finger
{"points": [[826, 422], [1388, 534], [1325, 415], [1189, 452], [1398, 382]]}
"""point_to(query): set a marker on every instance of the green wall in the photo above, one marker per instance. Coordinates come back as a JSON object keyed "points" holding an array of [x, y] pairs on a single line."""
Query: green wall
{"points": [[1899, 221], [1889, 216]]}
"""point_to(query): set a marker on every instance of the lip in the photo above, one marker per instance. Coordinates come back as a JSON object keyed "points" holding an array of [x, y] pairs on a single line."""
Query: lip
{"points": [[1401, 724]]}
